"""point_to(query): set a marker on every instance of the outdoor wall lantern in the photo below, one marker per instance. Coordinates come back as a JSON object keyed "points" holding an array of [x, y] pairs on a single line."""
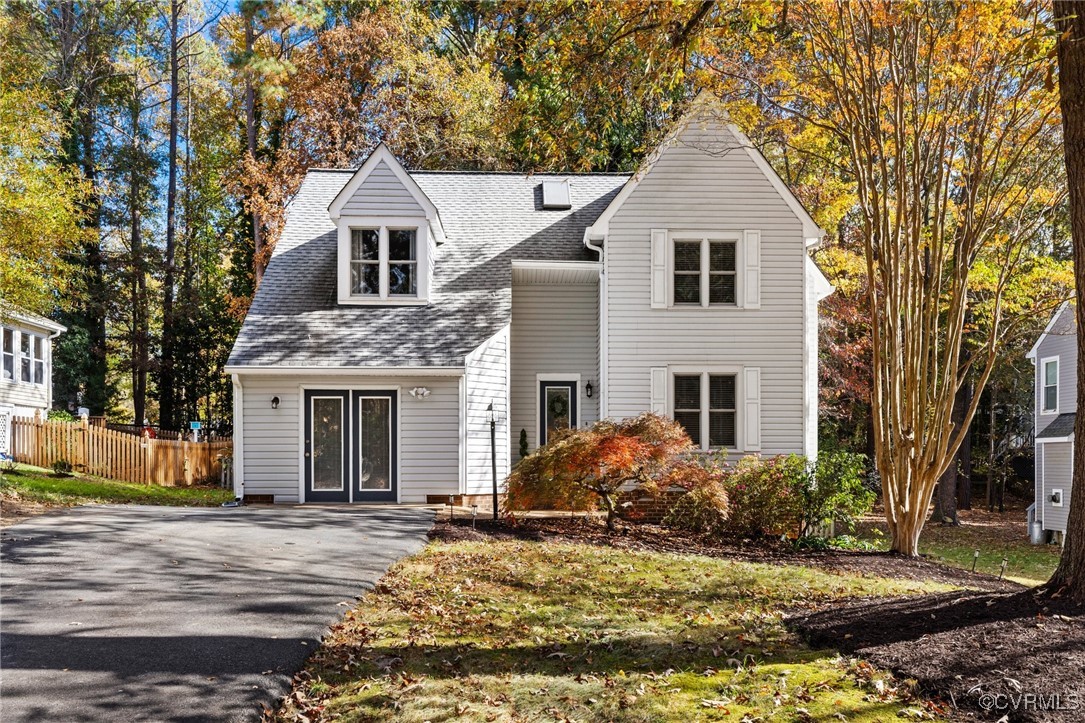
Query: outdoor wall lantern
{"points": [[589, 389], [419, 392], [274, 402]]}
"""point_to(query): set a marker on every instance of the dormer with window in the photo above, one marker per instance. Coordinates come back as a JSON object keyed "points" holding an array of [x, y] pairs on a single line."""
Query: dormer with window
{"points": [[388, 232]]}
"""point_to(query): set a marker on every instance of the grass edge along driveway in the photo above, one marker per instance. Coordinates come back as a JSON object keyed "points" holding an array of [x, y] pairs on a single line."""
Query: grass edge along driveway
{"points": [[512, 630], [26, 491]]}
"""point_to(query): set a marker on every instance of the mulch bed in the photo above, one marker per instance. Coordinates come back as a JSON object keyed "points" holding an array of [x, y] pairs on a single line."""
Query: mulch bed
{"points": [[643, 536], [1014, 656], [995, 651]]}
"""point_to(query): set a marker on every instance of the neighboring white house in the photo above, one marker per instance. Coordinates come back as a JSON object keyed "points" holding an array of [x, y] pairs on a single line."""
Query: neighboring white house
{"points": [[1055, 358], [26, 367], [400, 307]]}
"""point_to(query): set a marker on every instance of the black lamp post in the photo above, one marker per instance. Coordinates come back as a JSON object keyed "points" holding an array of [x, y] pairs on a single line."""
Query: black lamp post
{"points": [[493, 453]]}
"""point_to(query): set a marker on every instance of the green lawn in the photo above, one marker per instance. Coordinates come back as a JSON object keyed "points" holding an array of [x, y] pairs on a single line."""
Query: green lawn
{"points": [[505, 630], [995, 535], [35, 485]]}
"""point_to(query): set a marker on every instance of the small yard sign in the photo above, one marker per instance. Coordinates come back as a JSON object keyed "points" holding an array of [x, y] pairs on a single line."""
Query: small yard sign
{"points": [[195, 425]]}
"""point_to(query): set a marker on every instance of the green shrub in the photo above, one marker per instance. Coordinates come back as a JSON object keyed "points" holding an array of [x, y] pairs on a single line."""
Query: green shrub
{"points": [[765, 496], [835, 491], [787, 495], [61, 415]]}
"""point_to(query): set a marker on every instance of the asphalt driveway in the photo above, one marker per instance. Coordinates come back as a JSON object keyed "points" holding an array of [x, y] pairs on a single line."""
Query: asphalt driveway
{"points": [[179, 614]]}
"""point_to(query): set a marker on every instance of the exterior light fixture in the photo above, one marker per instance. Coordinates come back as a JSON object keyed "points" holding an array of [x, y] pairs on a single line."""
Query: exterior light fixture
{"points": [[589, 389], [274, 402], [419, 392]]}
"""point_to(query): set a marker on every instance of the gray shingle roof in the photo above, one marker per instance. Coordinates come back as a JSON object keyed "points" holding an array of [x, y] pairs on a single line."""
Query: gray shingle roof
{"points": [[1061, 426], [489, 219]]}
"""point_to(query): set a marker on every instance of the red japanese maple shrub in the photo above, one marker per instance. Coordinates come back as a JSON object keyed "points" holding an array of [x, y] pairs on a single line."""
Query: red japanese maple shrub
{"points": [[587, 468]]}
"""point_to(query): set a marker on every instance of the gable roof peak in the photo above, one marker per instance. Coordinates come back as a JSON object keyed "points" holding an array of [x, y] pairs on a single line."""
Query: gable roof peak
{"points": [[383, 154]]}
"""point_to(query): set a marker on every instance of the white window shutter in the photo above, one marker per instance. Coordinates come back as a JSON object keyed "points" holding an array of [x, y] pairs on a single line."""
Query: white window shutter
{"points": [[659, 390], [659, 268], [751, 277], [752, 410]]}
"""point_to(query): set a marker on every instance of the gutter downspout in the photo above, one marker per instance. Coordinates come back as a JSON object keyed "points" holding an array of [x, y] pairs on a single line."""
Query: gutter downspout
{"points": [[604, 388]]}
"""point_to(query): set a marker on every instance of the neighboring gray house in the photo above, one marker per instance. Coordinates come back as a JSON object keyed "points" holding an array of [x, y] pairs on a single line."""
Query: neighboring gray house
{"points": [[399, 306], [26, 367], [1055, 358]]}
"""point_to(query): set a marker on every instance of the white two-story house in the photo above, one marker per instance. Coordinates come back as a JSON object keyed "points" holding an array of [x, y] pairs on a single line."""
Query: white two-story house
{"points": [[1055, 357], [403, 310]]}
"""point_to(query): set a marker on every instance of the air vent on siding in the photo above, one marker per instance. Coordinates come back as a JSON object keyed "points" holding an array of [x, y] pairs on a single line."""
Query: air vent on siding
{"points": [[555, 194]]}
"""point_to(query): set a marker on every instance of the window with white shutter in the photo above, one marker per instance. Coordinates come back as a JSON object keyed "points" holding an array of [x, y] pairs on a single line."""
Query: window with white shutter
{"points": [[711, 407], [705, 269]]}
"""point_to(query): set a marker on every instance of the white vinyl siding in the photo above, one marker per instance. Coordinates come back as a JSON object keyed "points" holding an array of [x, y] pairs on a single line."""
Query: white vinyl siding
{"points": [[1057, 474], [382, 194], [555, 332], [487, 379], [429, 445], [1060, 343], [717, 192]]}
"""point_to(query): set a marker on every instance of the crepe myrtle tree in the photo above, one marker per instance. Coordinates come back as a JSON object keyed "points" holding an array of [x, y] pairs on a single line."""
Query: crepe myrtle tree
{"points": [[583, 468], [952, 140]]}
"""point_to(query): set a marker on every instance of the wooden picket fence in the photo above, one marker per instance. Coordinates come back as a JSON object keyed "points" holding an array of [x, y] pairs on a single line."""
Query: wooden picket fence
{"points": [[118, 455]]}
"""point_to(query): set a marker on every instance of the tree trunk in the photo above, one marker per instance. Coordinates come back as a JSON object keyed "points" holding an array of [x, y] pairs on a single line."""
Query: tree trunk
{"points": [[138, 282], [166, 392], [964, 459], [945, 503], [1069, 577], [992, 418], [250, 140]]}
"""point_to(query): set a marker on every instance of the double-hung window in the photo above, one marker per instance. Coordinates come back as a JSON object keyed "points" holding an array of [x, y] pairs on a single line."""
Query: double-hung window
{"points": [[1050, 395], [7, 363], [31, 358], [402, 262], [706, 406], [384, 263], [705, 272], [365, 262]]}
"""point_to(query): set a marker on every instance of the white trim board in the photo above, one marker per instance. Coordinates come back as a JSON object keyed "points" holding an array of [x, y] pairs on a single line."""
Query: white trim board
{"points": [[367, 371]]}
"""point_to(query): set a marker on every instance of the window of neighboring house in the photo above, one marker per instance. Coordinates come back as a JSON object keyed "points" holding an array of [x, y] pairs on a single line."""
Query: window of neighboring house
{"points": [[1051, 386], [39, 359], [384, 262], [7, 369], [705, 272], [707, 403], [31, 358]]}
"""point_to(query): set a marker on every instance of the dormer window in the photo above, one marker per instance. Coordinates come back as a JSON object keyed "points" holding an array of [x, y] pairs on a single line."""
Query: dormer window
{"points": [[388, 232], [384, 262], [365, 261], [402, 262]]}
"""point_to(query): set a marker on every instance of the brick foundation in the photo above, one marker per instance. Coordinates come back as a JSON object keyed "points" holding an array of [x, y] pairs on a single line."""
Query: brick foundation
{"points": [[642, 507]]}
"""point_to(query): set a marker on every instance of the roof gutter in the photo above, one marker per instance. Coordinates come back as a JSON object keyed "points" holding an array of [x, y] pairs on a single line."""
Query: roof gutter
{"points": [[367, 371]]}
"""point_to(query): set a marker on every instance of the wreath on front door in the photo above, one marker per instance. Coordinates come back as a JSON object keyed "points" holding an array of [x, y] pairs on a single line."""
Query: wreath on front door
{"points": [[559, 407]]}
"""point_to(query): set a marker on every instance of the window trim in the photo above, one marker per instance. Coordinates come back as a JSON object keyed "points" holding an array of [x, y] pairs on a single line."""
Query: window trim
{"points": [[705, 372], [1044, 409], [706, 238], [13, 354], [35, 342], [422, 240]]}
